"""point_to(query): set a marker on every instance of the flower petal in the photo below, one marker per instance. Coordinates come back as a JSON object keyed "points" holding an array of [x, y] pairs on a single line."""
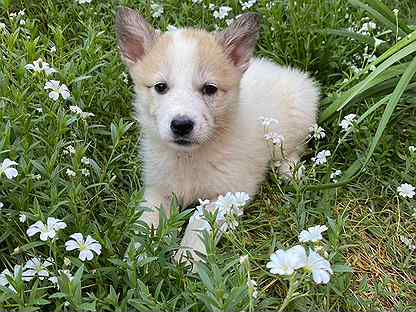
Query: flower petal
{"points": [[71, 245], [86, 254], [34, 228], [54, 95], [11, 173], [78, 237]]}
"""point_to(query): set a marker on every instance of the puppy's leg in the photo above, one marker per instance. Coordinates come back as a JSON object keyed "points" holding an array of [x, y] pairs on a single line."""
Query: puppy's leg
{"points": [[154, 198], [288, 165], [192, 239]]}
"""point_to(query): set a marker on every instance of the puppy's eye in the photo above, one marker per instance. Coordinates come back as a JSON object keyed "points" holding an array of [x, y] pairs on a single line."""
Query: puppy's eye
{"points": [[161, 87], [209, 89]]}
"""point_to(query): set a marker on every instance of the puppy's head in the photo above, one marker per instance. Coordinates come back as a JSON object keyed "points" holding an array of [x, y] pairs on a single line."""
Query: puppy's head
{"points": [[187, 81]]}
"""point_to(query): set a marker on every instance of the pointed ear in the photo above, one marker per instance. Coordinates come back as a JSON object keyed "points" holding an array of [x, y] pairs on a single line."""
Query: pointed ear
{"points": [[239, 39], [135, 35]]}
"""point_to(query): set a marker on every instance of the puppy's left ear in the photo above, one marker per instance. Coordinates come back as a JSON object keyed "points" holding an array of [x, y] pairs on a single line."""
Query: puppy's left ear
{"points": [[239, 39], [135, 35]]}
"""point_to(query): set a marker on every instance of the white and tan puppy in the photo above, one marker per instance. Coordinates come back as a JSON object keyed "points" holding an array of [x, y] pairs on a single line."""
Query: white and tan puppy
{"points": [[199, 98]]}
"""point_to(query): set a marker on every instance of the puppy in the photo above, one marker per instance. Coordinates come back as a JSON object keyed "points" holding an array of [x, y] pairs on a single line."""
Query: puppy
{"points": [[199, 96]]}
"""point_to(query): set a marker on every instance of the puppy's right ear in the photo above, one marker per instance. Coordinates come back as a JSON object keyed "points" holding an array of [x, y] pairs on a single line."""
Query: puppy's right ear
{"points": [[135, 35]]}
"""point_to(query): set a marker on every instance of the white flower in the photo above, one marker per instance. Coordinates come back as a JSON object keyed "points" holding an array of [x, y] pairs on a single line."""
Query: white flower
{"points": [[47, 230], [35, 267], [222, 12], [396, 11], [22, 22], [52, 49], [36, 66], [286, 262], [124, 77], [39, 66], [243, 259], [77, 110], [320, 267], [57, 89], [196, 1], [85, 160], [2, 26], [39, 109], [171, 28], [406, 190], [266, 121], [377, 42], [35, 176], [199, 214], [252, 286], [407, 242], [86, 247], [85, 115], [13, 14], [317, 132], [320, 158], [85, 172], [248, 4], [367, 27], [22, 218], [1, 205], [70, 173], [412, 149], [70, 150], [335, 174], [83, 1], [157, 9], [229, 205], [347, 122], [7, 168], [21, 13], [313, 234], [275, 138], [241, 198], [229, 21], [67, 261], [225, 203]]}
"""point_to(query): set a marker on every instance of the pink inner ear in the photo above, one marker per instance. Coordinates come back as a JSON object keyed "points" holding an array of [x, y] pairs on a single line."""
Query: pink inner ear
{"points": [[239, 55], [240, 52], [131, 48]]}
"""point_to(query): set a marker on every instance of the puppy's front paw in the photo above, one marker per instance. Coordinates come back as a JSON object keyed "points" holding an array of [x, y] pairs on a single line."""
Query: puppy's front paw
{"points": [[151, 218]]}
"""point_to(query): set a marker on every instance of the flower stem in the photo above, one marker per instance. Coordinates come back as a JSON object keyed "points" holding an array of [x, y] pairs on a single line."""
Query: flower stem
{"points": [[293, 284]]}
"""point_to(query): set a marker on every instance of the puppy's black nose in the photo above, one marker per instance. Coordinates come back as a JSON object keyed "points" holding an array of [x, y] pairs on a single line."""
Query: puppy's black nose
{"points": [[181, 125]]}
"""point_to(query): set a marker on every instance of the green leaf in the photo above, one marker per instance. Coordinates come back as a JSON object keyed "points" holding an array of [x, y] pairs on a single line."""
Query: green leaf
{"points": [[346, 97], [341, 268], [88, 306]]}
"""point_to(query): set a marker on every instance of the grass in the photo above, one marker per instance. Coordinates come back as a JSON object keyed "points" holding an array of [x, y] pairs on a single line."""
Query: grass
{"points": [[374, 269]]}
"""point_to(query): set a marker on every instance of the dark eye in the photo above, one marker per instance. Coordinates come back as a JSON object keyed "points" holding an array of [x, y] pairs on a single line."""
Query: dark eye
{"points": [[161, 87], [209, 89]]}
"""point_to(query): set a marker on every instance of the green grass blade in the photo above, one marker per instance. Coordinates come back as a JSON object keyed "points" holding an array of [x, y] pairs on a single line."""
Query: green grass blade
{"points": [[397, 47], [345, 98], [391, 105], [379, 16], [358, 166]]}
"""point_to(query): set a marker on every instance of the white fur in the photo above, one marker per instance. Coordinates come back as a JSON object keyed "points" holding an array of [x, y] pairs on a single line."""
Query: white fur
{"points": [[237, 161]]}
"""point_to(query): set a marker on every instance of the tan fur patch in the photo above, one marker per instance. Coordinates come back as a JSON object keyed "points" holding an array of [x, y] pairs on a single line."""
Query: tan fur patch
{"points": [[145, 72], [212, 59]]}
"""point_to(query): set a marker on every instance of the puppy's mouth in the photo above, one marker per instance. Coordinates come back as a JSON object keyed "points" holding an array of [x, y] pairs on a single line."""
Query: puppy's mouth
{"points": [[183, 142]]}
